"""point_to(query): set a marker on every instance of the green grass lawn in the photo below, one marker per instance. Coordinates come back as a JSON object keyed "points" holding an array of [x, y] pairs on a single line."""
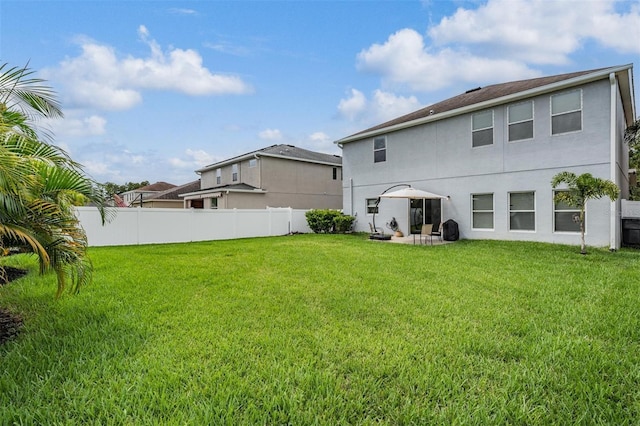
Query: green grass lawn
{"points": [[329, 329]]}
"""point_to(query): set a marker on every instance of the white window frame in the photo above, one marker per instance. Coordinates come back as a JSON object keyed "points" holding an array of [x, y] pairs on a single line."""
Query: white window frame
{"points": [[575, 210], [523, 211], [214, 203], [218, 176], [370, 206], [234, 172], [510, 123], [377, 150], [492, 211], [566, 112], [253, 163], [473, 130]]}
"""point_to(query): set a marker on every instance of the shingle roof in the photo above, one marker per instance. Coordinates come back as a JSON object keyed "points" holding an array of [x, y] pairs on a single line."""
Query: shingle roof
{"points": [[232, 187], [236, 186], [300, 153], [477, 96], [282, 150], [172, 193], [158, 186]]}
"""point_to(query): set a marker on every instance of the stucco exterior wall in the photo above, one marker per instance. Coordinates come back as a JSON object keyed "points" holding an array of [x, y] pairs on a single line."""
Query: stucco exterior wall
{"points": [[299, 184], [439, 157]]}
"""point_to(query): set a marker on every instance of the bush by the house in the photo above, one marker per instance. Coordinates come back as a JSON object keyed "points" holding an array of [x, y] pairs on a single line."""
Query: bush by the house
{"points": [[343, 223], [326, 220]]}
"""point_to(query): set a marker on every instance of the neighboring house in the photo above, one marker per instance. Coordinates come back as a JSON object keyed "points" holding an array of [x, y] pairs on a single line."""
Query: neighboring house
{"points": [[171, 197], [494, 151], [275, 176], [136, 196]]}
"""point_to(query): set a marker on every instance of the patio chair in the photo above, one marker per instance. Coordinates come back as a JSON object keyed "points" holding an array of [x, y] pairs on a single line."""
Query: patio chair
{"points": [[426, 232], [437, 233]]}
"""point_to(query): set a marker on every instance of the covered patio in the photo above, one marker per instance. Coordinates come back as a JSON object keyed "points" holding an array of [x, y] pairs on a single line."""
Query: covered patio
{"points": [[424, 216]]}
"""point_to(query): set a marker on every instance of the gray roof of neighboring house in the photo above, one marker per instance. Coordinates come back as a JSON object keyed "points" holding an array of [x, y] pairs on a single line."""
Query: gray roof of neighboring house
{"points": [[232, 187], [483, 95], [281, 151], [172, 193], [158, 186]]}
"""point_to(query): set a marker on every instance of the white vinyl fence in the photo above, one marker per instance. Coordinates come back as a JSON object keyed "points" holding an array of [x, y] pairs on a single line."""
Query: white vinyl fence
{"points": [[630, 209], [132, 226]]}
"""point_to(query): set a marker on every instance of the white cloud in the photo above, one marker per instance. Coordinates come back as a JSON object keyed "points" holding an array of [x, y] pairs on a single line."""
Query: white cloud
{"points": [[193, 159], [387, 106], [319, 137], [500, 40], [542, 31], [353, 106], [75, 125], [382, 107], [270, 134], [182, 11], [320, 142], [99, 78], [404, 60]]}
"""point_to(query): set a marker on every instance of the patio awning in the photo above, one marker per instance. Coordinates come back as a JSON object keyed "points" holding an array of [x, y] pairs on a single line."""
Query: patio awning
{"points": [[413, 194]]}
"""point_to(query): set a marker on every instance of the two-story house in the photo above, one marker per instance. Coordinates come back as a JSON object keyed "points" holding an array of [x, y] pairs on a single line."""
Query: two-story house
{"points": [[494, 151], [275, 176]]}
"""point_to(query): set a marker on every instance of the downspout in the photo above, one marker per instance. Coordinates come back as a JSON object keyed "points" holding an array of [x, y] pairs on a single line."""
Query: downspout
{"points": [[613, 162], [351, 196], [259, 170]]}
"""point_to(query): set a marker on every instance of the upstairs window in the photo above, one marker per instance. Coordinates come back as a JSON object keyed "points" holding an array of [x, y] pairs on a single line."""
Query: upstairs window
{"points": [[218, 176], [521, 121], [335, 173], [234, 172], [482, 128], [482, 211], [253, 163], [566, 112], [522, 211], [380, 150]]}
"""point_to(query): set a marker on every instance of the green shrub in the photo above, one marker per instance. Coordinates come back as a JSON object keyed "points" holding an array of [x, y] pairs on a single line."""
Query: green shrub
{"points": [[343, 223], [326, 221]]}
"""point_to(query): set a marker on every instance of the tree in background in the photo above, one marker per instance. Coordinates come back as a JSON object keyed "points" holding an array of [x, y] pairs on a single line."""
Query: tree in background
{"points": [[632, 138], [40, 183], [111, 188], [581, 189]]}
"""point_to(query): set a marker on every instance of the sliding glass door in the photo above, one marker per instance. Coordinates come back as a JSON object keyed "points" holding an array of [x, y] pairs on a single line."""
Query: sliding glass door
{"points": [[424, 211]]}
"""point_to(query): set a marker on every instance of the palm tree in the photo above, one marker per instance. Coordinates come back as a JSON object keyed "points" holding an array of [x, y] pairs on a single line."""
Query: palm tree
{"points": [[581, 189], [39, 183]]}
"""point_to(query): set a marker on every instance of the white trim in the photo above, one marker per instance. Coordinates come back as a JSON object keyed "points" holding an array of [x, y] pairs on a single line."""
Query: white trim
{"points": [[532, 119], [384, 137], [535, 212], [493, 211], [551, 114], [492, 127]]}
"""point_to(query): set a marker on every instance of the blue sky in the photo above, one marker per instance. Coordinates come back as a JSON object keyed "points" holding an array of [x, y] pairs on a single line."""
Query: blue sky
{"points": [[153, 90]]}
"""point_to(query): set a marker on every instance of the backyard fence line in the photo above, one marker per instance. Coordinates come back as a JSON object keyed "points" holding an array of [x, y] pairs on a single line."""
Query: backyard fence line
{"points": [[134, 226]]}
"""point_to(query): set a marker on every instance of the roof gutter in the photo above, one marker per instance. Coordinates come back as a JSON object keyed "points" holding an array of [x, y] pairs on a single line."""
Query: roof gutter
{"points": [[583, 79]]}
